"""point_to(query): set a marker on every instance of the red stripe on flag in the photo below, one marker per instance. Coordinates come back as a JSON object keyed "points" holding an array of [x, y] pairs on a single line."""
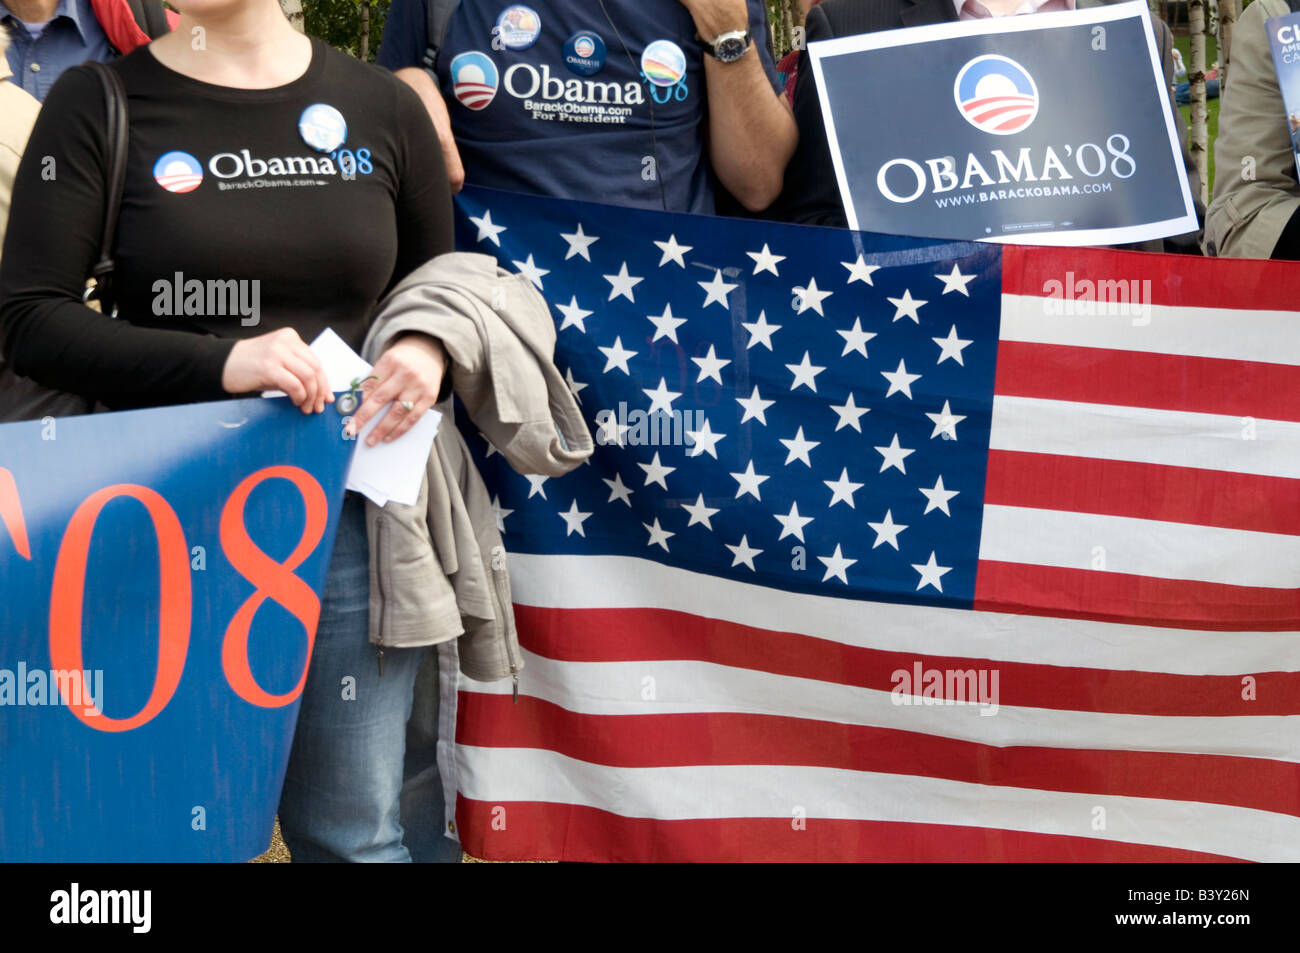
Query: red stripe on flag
{"points": [[621, 635], [1144, 491], [1203, 385], [527, 830], [1139, 600], [1230, 283], [730, 738]]}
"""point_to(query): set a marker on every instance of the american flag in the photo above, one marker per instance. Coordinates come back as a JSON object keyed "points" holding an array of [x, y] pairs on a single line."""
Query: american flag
{"points": [[894, 549]]}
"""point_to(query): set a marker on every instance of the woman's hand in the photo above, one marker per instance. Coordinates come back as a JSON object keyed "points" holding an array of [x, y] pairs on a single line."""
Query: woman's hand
{"points": [[408, 375], [278, 361]]}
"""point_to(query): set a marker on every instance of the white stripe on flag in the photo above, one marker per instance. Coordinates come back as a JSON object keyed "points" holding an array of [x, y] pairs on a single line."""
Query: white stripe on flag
{"points": [[1140, 435], [1266, 336], [727, 791], [615, 688], [1235, 557], [613, 582]]}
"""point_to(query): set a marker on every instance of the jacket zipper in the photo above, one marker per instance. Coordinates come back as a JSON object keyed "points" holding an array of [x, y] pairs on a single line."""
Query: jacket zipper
{"points": [[380, 553]]}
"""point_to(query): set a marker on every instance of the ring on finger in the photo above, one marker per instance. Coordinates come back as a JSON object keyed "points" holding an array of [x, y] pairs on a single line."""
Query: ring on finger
{"points": [[407, 405]]}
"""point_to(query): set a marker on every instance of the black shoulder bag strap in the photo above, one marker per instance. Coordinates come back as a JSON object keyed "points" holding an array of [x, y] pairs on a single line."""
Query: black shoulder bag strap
{"points": [[115, 179], [439, 13]]}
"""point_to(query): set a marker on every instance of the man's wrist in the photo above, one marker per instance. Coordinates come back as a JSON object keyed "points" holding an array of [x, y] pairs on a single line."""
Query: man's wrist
{"points": [[716, 17]]}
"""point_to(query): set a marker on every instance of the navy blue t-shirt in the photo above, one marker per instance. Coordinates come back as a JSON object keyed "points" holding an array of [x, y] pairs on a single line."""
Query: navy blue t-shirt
{"points": [[554, 99]]}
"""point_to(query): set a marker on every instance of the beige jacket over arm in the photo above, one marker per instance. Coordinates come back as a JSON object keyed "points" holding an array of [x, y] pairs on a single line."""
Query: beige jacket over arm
{"points": [[438, 568], [1255, 190]]}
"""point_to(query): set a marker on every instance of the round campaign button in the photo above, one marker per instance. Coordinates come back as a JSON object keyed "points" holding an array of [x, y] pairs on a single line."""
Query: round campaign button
{"points": [[323, 127], [663, 63], [518, 27], [584, 53]]}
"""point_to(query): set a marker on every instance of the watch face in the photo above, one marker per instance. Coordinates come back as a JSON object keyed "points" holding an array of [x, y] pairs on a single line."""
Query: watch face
{"points": [[731, 49]]}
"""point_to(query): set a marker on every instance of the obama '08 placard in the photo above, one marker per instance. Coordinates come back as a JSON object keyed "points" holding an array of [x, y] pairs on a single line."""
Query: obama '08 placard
{"points": [[1051, 129]]}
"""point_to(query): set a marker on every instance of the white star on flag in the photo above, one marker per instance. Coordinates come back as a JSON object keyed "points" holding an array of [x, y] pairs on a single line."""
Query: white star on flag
{"points": [[855, 339], [900, 382], [665, 325], [612, 432], [860, 271], [887, 531], [486, 230], [811, 297], [956, 281], [699, 512], [749, 482], [710, 366], [716, 290], [754, 406], [673, 251], [499, 513], [894, 455], [907, 306], [617, 356], [805, 372], [945, 422], [530, 271], [743, 553], [765, 261], [658, 535], [931, 574], [835, 565], [760, 332], [574, 386], [850, 414], [799, 448], [535, 485], [951, 347], [621, 285], [937, 498], [661, 398], [579, 243], [618, 490], [705, 441], [842, 490], [573, 520], [792, 524], [573, 314], [655, 471]]}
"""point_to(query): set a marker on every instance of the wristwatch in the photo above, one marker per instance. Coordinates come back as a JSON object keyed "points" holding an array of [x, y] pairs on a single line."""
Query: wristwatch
{"points": [[729, 47]]}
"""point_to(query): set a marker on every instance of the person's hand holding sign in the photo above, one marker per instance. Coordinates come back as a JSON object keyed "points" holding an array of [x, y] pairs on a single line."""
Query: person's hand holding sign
{"points": [[409, 376]]}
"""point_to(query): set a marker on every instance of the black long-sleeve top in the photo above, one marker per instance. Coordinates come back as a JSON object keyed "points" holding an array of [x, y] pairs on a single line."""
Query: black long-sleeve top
{"points": [[222, 190]]}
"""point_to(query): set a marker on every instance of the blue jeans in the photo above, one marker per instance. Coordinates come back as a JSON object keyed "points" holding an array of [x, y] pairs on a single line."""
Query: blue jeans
{"points": [[355, 789]]}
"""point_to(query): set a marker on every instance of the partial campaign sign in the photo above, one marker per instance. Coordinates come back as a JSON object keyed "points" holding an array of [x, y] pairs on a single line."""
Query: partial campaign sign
{"points": [[160, 582], [1052, 129], [1284, 38]]}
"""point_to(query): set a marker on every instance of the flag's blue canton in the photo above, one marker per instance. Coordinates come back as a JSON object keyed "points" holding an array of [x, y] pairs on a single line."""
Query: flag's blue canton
{"points": [[859, 316]]}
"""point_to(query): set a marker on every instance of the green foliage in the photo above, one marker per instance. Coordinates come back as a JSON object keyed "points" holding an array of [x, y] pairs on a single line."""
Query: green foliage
{"points": [[338, 23]]}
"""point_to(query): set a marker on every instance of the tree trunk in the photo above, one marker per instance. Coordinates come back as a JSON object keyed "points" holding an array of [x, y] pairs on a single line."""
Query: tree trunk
{"points": [[363, 44], [293, 11], [1196, 77], [1229, 10]]}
